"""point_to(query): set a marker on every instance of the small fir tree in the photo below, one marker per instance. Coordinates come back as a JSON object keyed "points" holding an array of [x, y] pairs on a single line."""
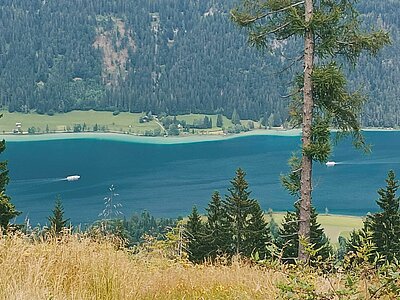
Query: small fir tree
{"points": [[245, 218], [385, 225], [257, 233], [288, 238], [195, 232], [217, 234], [57, 221]]}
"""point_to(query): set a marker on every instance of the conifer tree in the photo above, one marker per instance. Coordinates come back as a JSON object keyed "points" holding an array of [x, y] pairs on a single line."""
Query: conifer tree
{"points": [[57, 221], [220, 121], [385, 225], [331, 31], [217, 234], [245, 218], [235, 118], [288, 239], [195, 232], [7, 209], [257, 233]]}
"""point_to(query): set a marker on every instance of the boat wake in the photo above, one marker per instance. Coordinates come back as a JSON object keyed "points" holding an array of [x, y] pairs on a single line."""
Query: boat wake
{"points": [[46, 180]]}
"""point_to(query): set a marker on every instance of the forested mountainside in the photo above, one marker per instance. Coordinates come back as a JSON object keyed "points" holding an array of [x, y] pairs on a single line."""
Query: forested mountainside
{"points": [[172, 56]]}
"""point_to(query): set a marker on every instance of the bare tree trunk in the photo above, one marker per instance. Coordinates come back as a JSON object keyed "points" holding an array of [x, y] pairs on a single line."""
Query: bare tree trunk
{"points": [[306, 165]]}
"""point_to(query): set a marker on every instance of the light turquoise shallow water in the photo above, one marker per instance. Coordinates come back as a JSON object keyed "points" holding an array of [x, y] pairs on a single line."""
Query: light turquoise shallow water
{"points": [[168, 179]]}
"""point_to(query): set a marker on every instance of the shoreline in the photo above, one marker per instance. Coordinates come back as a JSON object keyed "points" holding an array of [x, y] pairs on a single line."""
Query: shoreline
{"points": [[122, 137], [182, 139]]}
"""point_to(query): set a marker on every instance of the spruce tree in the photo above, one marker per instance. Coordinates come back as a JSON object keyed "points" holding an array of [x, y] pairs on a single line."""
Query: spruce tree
{"points": [[7, 209], [217, 234], [257, 233], [385, 225], [245, 218], [195, 232], [220, 121], [288, 239], [57, 221], [332, 36]]}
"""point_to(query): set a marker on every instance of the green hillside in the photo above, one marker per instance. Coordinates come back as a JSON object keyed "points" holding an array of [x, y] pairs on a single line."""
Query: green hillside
{"points": [[170, 56]]}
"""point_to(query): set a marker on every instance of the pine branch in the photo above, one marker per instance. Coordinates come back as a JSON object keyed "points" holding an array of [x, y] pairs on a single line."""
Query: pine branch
{"points": [[240, 19]]}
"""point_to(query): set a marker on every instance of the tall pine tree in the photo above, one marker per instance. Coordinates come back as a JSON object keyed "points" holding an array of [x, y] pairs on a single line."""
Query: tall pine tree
{"points": [[331, 32], [385, 225]]}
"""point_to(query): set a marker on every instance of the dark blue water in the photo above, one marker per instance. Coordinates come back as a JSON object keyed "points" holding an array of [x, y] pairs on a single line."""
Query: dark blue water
{"points": [[168, 180]]}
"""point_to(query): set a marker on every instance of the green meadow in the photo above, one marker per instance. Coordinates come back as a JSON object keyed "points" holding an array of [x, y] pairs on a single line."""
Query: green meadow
{"points": [[334, 225], [124, 122]]}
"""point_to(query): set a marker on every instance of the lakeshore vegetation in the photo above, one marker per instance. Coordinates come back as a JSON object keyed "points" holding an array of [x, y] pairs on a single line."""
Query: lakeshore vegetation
{"points": [[124, 122]]}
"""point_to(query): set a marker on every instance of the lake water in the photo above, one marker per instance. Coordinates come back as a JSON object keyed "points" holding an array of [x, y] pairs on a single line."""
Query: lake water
{"points": [[168, 179]]}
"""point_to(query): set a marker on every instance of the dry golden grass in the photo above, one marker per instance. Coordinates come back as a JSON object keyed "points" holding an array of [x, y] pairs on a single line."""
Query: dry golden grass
{"points": [[80, 268], [83, 269]]}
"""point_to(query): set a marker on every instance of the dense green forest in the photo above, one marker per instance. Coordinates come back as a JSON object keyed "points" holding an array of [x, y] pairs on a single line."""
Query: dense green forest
{"points": [[170, 56]]}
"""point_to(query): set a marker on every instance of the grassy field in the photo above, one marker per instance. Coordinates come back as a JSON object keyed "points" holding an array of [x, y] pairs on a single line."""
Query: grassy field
{"points": [[123, 122], [77, 267], [334, 225]]}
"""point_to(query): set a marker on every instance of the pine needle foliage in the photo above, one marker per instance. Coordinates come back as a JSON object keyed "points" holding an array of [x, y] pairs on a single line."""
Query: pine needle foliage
{"points": [[333, 36], [234, 226], [249, 230], [288, 238], [217, 229], [385, 225], [195, 230], [57, 221]]}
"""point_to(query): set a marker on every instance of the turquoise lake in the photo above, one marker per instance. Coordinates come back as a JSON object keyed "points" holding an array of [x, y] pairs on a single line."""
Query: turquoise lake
{"points": [[168, 179]]}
